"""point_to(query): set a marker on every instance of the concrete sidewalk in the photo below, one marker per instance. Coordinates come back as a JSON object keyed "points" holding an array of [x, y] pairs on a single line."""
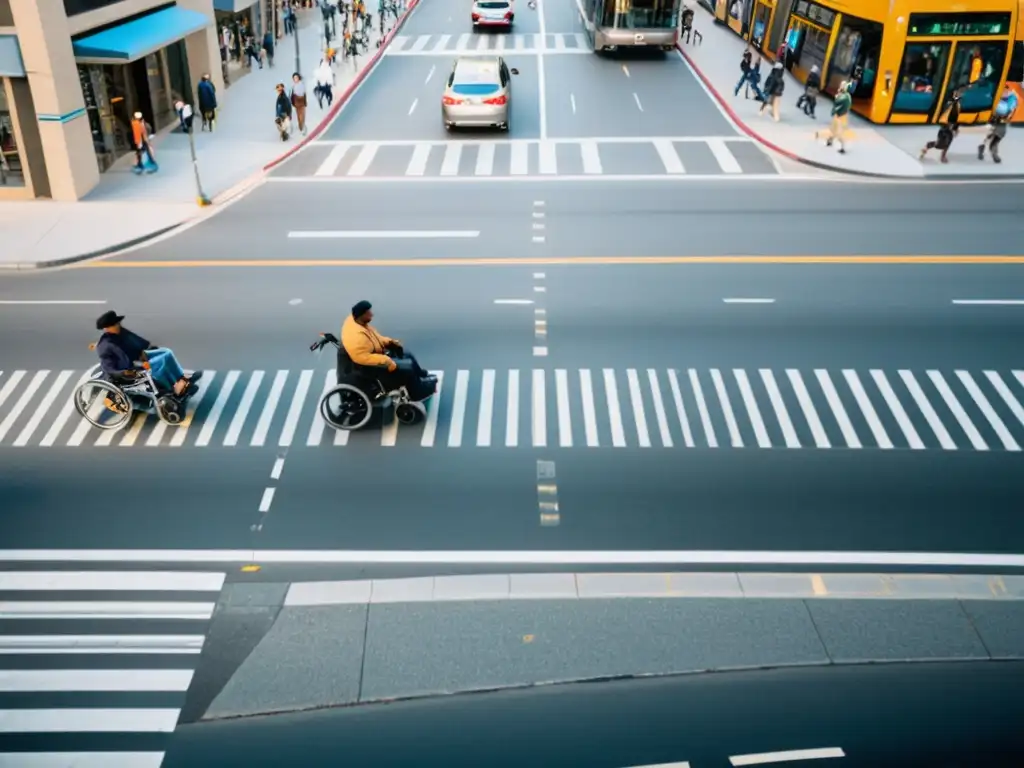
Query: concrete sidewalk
{"points": [[873, 150], [126, 209]]}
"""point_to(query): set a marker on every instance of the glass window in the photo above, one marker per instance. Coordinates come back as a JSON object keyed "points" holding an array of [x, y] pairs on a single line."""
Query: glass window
{"points": [[977, 69], [920, 78], [641, 14], [11, 174], [855, 57], [807, 46], [761, 17]]}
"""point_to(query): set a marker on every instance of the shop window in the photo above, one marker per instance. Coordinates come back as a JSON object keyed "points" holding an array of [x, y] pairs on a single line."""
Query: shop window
{"points": [[855, 57], [11, 174], [976, 71], [75, 7], [920, 78]]}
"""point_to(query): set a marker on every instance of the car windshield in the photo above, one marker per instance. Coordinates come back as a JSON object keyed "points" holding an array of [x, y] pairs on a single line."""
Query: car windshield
{"points": [[492, 6]]}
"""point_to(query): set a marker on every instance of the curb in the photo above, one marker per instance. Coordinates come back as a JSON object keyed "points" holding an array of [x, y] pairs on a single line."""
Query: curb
{"points": [[53, 263], [341, 100]]}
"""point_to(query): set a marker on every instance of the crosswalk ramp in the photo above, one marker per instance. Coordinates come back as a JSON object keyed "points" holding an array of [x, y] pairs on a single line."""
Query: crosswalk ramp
{"points": [[664, 156], [565, 408], [95, 666], [484, 43]]}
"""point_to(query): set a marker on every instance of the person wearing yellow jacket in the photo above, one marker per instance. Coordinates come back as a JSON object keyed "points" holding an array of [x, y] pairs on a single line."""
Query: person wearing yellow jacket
{"points": [[362, 342]]}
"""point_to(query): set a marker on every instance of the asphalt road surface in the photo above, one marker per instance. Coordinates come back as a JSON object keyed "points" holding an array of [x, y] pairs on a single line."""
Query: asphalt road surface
{"points": [[890, 715]]}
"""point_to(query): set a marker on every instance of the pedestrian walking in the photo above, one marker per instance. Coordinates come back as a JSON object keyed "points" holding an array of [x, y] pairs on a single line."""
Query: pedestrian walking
{"points": [[299, 100], [283, 113], [268, 48], [774, 86], [252, 52], [324, 79], [142, 136], [207, 93], [840, 117], [948, 129], [745, 67], [1002, 115], [809, 98]]}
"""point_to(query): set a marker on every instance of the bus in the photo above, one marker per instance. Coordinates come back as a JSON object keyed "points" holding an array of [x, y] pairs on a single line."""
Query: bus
{"points": [[614, 24], [904, 57]]}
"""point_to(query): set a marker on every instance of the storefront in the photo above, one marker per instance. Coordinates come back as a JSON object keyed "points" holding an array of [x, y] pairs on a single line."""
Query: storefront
{"points": [[237, 20], [15, 177], [136, 66]]}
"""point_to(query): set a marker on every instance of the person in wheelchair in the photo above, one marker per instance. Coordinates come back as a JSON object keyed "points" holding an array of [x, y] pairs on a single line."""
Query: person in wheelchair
{"points": [[119, 349], [375, 355]]}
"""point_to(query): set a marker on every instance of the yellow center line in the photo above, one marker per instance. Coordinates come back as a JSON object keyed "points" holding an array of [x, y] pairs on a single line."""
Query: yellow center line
{"points": [[555, 260]]}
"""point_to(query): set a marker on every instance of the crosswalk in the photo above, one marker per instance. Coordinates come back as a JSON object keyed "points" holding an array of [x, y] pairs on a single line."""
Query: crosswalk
{"points": [[95, 666], [497, 42], [566, 408], [667, 156]]}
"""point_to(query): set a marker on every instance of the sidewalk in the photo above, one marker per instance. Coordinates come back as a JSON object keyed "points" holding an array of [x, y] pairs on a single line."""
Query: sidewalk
{"points": [[873, 150], [126, 209]]}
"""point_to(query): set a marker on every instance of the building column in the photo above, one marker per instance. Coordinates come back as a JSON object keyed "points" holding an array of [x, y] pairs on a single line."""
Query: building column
{"points": [[203, 50], [64, 132]]}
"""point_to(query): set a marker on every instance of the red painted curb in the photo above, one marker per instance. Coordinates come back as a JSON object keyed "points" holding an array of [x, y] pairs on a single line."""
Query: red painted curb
{"points": [[340, 101]]}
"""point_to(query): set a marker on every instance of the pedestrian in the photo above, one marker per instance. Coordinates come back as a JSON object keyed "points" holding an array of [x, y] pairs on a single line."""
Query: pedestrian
{"points": [[948, 129], [1002, 115], [745, 67], [141, 138], [324, 78], [283, 113], [774, 86], [809, 98], [299, 100], [268, 48], [252, 52], [207, 93], [840, 116]]}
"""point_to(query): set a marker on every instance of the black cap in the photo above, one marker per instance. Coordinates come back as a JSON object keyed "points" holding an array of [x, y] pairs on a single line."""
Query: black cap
{"points": [[107, 319], [361, 308]]}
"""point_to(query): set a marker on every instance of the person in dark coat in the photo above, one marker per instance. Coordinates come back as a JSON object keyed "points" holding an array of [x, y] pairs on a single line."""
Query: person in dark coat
{"points": [[207, 102], [120, 351], [947, 131]]}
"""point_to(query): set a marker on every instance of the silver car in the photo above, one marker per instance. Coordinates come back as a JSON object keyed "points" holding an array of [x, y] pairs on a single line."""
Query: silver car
{"points": [[478, 93], [495, 14]]}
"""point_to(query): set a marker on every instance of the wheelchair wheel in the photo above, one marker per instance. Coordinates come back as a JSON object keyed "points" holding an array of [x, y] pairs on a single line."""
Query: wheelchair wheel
{"points": [[410, 413], [345, 407], [169, 410], [102, 404]]}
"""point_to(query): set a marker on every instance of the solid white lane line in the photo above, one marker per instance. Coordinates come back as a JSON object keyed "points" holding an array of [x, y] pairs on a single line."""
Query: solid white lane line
{"points": [[41, 409], [94, 680], [542, 97], [958, 412], [779, 405], [988, 411], [433, 410], [727, 412], [88, 720], [540, 410], [639, 414], [259, 436], [807, 406], [512, 411], [28, 391], [659, 409], [57, 645], [486, 413], [753, 411], [115, 581], [765, 758], [867, 409], [206, 433], [748, 301], [838, 410], [925, 406], [990, 302], [94, 609], [458, 419], [316, 429], [562, 405], [611, 391], [44, 302], [896, 407], [514, 301], [677, 398], [422, 234], [291, 421], [589, 411]]}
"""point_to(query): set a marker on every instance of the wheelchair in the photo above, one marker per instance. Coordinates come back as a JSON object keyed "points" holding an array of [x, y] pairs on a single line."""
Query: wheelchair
{"points": [[111, 403], [361, 396]]}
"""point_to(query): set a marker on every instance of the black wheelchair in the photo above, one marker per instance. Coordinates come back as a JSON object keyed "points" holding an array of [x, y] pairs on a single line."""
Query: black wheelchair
{"points": [[364, 393]]}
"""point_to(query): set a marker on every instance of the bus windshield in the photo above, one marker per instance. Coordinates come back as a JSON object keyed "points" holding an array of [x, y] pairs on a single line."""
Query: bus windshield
{"points": [[641, 14]]}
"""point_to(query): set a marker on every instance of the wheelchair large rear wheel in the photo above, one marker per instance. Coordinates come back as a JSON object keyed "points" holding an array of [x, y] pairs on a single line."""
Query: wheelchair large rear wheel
{"points": [[347, 408], [102, 404]]}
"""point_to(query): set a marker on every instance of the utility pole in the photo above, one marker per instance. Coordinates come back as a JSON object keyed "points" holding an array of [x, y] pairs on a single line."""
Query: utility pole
{"points": [[295, 31], [186, 115]]}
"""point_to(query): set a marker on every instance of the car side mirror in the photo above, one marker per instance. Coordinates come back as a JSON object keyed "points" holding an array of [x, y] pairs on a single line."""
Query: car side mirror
{"points": [[514, 71]]}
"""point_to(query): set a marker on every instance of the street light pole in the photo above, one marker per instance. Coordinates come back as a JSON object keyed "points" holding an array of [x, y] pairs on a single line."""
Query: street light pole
{"points": [[186, 115], [295, 31]]}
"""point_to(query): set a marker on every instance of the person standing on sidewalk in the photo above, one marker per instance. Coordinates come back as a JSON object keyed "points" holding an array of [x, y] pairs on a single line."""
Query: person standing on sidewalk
{"points": [[324, 88], [268, 48], [207, 92], [840, 117], [774, 86], [283, 112], [809, 98], [948, 130], [299, 100], [1001, 117]]}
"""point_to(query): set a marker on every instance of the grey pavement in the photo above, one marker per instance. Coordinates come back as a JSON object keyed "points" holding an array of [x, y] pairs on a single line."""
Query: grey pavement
{"points": [[882, 150]]}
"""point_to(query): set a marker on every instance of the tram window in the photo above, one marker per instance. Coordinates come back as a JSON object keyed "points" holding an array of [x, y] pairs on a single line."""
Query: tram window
{"points": [[812, 48], [855, 56], [977, 69], [920, 78]]}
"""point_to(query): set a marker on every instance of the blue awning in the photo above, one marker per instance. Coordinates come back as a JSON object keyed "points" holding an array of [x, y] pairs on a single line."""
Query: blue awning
{"points": [[140, 37]]}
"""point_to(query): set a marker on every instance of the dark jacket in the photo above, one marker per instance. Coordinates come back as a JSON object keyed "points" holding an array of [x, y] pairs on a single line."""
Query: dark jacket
{"points": [[282, 107], [119, 351], [207, 96]]}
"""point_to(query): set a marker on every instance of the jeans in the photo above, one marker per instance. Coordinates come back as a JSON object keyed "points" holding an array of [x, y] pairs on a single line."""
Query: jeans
{"points": [[165, 368]]}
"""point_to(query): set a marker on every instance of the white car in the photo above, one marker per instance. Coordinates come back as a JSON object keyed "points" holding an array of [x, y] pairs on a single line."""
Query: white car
{"points": [[493, 13]]}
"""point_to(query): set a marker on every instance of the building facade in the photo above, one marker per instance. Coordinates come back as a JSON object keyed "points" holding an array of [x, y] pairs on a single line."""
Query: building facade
{"points": [[72, 72]]}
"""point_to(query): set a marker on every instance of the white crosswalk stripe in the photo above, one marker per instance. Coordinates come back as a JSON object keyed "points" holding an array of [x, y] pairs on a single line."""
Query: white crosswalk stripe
{"points": [[497, 42], [639, 407], [679, 156], [77, 648]]}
